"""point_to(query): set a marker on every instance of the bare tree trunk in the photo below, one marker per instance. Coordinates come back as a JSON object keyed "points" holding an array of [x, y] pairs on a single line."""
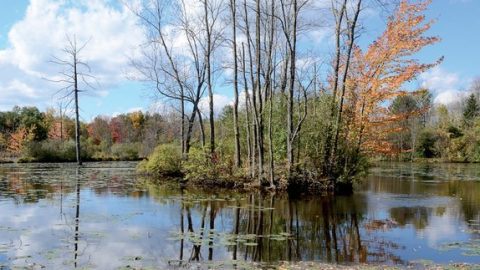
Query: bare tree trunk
{"points": [[72, 77], [61, 122], [191, 121], [269, 91], [250, 153], [336, 74], [351, 39], [208, 53], [292, 48], [253, 87], [202, 127], [270, 138], [182, 112], [156, 26], [238, 160], [77, 116], [258, 88]]}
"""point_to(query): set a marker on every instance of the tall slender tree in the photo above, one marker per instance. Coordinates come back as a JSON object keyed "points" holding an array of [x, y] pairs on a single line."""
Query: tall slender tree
{"points": [[170, 75], [74, 72], [233, 9]]}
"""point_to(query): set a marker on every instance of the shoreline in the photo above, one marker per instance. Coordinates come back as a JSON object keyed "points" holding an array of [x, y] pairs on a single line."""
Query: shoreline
{"points": [[420, 265]]}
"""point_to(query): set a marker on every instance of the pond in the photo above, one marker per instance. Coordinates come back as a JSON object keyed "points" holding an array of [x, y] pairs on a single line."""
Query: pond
{"points": [[103, 216]]}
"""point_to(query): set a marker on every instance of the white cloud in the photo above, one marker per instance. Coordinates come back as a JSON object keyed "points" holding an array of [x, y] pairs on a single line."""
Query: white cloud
{"points": [[449, 97], [242, 99], [320, 35], [131, 110], [135, 109], [219, 102], [438, 79], [162, 107], [445, 86], [113, 34]]}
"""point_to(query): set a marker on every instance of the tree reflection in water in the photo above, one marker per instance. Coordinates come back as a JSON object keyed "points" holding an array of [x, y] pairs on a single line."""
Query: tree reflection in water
{"points": [[77, 216], [270, 228]]}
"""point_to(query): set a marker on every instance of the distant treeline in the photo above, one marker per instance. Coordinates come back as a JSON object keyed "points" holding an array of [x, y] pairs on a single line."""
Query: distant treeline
{"points": [[27, 134], [448, 133]]}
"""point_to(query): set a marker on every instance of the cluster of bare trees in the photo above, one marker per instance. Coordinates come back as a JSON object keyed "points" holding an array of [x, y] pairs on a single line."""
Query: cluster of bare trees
{"points": [[255, 45]]}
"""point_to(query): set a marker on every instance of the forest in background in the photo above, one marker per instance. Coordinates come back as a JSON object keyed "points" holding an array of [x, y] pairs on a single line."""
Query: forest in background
{"points": [[446, 133], [29, 135], [298, 119], [432, 131]]}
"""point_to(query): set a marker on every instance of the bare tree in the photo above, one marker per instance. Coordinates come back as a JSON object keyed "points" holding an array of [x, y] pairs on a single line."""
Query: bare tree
{"points": [[351, 32], [163, 68], [338, 14], [251, 99], [257, 94], [208, 53], [289, 21], [250, 149], [74, 72], [233, 9], [180, 62], [269, 88]]}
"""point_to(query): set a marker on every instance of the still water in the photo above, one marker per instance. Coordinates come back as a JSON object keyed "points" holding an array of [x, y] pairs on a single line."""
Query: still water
{"points": [[103, 216]]}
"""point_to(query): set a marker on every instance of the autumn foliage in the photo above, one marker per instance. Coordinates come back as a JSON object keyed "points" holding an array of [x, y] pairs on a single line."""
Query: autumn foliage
{"points": [[379, 74], [297, 122], [19, 138]]}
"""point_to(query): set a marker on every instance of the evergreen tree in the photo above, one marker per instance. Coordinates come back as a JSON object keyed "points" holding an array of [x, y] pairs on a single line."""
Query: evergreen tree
{"points": [[471, 110]]}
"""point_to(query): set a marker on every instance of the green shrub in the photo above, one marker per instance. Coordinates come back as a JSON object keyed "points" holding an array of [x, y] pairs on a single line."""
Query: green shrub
{"points": [[426, 144], [166, 159], [125, 151], [218, 170], [454, 132], [52, 151], [199, 166]]}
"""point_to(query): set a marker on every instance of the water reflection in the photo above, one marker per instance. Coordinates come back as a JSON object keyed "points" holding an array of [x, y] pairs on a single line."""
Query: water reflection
{"points": [[269, 228], [77, 216], [102, 216]]}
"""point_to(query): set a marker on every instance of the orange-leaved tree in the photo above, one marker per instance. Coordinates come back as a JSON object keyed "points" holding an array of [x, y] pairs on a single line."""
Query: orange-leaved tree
{"points": [[379, 74], [19, 138], [57, 130]]}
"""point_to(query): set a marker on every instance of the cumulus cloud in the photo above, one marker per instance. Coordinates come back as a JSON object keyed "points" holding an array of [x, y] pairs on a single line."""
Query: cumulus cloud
{"points": [[131, 110], [112, 33], [445, 86], [163, 107], [219, 102]]}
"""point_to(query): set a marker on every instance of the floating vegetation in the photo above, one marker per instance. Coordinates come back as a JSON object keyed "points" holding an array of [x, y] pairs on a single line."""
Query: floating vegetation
{"points": [[376, 224], [137, 262], [133, 258], [422, 262], [51, 254], [470, 248], [227, 264], [213, 238]]}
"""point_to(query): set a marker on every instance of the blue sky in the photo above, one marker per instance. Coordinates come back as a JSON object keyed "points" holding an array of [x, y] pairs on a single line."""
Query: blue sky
{"points": [[31, 31]]}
